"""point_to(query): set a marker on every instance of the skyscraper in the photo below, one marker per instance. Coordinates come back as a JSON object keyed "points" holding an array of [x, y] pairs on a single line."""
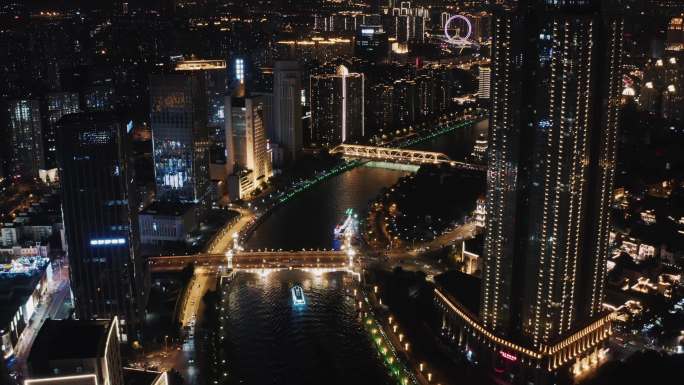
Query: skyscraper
{"points": [[100, 219], [405, 101], [57, 104], [248, 158], [216, 84], [287, 107], [552, 164], [337, 107], [178, 116], [26, 137], [555, 93]]}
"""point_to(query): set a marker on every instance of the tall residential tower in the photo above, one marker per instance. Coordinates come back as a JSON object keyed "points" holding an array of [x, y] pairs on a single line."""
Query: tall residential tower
{"points": [[555, 91], [337, 107]]}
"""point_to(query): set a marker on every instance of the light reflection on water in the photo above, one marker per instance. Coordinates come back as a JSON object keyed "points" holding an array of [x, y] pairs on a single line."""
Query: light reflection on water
{"points": [[271, 341]]}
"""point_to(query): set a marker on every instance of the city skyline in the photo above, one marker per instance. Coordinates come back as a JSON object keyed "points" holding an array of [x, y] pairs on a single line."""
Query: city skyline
{"points": [[423, 192]]}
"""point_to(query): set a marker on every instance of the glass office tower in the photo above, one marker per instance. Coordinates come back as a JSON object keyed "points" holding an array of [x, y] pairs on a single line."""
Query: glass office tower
{"points": [[178, 116], [100, 219]]}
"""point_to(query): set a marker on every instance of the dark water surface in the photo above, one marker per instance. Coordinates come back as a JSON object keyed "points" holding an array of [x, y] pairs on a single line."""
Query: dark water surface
{"points": [[271, 341]]}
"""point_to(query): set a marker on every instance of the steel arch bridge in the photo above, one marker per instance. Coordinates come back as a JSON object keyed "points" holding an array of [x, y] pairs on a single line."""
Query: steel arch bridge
{"points": [[399, 155]]}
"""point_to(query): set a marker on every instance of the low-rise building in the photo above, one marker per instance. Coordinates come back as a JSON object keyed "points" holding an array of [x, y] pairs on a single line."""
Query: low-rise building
{"points": [[23, 284], [76, 352], [163, 222]]}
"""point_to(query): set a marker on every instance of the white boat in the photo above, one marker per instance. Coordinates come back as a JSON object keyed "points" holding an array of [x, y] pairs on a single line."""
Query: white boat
{"points": [[298, 295]]}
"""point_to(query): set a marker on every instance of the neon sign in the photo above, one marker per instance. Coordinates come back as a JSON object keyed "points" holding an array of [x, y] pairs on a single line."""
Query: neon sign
{"points": [[508, 356]]}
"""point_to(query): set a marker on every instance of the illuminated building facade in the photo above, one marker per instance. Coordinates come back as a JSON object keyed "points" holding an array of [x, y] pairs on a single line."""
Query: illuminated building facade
{"points": [[178, 116], [337, 107], [344, 21], [484, 81], [25, 137], [405, 22], [661, 91], [316, 49], [555, 94], [107, 274], [215, 75], [425, 95], [287, 107], [248, 160], [675, 34]]}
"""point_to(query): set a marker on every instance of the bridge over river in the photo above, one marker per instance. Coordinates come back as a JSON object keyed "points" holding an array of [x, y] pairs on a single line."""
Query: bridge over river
{"points": [[401, 155], [249, 260]]}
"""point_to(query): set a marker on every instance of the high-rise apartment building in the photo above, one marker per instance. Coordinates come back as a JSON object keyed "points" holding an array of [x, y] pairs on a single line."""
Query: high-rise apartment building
{"points": [[484, 81], [108, 277], [380, 109], [25, 137], [178, 116], [425, 95], [405, 101], [287, 107], [555, 93], [337, 107]]}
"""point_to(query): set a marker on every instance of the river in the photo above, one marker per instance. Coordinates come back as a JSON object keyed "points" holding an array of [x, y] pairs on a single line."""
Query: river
{"points": [[271, 341], [268, 340], [308, 221], [457, 144]]}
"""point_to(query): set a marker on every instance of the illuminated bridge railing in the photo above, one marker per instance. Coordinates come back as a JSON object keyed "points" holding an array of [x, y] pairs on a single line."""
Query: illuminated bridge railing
{"points": [[252, 259]]}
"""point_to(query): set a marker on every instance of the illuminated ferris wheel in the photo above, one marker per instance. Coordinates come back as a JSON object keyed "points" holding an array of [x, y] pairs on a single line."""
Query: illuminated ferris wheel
{"points": [[458, 31]]}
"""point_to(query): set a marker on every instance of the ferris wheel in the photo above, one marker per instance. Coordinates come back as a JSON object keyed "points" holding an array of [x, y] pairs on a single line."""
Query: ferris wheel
{"points": [[457, 31]]}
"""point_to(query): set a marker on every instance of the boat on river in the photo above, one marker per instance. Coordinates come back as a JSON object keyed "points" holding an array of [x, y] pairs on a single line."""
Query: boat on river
{"points": [[298, 295]]}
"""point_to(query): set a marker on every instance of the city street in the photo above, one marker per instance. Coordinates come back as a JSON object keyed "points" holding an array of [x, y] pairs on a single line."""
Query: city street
{"points": [[225, 238]]}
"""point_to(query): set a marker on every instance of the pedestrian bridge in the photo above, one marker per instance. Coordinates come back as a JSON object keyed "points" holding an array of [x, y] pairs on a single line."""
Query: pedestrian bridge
{"points": [[246, 260], [400, 155]]}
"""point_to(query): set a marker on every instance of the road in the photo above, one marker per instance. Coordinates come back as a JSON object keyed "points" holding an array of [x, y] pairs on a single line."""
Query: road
{"points": [[225, 239], [251, 259], [197, 287], [459, 234]]}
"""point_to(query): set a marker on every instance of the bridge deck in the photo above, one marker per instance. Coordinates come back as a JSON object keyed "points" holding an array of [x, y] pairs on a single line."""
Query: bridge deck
{"points": [[250, 260]]}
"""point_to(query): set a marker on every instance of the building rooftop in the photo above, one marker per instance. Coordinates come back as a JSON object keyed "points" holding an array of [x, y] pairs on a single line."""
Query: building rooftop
{"points": [[67, 339], [198, 65], [133, 376], [167, 208]]}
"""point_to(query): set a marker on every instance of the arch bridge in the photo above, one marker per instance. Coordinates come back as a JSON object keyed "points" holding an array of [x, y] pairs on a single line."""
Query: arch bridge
{"points": [[399, 155]]}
